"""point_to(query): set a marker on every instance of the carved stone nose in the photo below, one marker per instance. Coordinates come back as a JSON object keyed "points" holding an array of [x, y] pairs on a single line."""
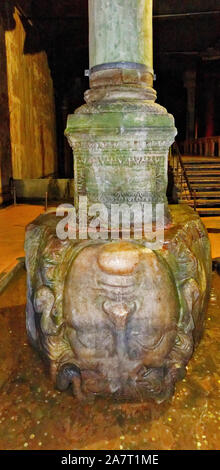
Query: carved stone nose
{"points": [[118, 258], [118, 312]]}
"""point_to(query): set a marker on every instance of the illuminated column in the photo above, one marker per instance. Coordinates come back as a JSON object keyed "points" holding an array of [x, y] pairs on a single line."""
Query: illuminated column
{"points": [[120, 45], [190, 85], [210, 106], [120, 31], [121, 137]]}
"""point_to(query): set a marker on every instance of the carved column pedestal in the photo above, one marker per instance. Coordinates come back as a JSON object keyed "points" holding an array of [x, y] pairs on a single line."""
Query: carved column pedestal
{"points": [[120, 151]]}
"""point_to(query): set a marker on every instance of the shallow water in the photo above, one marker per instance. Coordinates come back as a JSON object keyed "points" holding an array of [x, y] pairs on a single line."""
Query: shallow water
{"points": [[35, 416]]}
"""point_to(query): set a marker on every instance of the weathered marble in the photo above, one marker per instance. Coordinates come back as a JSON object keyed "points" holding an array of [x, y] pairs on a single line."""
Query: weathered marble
{"points": [[120, 152], [114, 317]]}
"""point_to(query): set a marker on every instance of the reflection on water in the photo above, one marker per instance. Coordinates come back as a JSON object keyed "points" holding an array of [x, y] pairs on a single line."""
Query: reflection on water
{"points": [[35, 416]]}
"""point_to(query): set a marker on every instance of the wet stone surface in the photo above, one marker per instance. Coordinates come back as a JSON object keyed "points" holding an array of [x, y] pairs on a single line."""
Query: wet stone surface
{"points": [[33, 415]]}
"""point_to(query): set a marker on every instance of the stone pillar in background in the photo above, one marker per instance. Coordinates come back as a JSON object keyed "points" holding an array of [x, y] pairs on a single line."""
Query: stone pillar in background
{"points": [[210, 106], [5, 144], [121, 137], [31, 107], [190, 85]]}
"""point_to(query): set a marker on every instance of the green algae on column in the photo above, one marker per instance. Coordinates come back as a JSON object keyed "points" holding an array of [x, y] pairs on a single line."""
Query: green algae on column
{"points": [[120, 30]]}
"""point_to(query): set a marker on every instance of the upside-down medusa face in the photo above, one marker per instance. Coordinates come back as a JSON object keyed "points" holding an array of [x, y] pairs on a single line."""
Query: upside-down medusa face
{"points": [[121, 311]]}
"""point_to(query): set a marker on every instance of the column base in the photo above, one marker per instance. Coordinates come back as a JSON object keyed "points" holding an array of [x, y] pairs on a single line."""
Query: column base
{"points": [[117, 318]]}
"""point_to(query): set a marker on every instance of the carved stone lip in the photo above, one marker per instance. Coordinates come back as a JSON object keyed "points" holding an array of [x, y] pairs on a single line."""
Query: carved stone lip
{"points": [[118, 292], [118, 286]]}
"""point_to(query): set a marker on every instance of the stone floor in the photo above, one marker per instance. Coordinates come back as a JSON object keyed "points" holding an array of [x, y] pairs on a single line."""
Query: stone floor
{"points": [[13, 220], [213, 226]]}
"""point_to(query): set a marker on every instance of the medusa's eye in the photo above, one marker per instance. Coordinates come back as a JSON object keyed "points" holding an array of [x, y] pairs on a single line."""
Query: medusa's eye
{"points": [[145, 339]]}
